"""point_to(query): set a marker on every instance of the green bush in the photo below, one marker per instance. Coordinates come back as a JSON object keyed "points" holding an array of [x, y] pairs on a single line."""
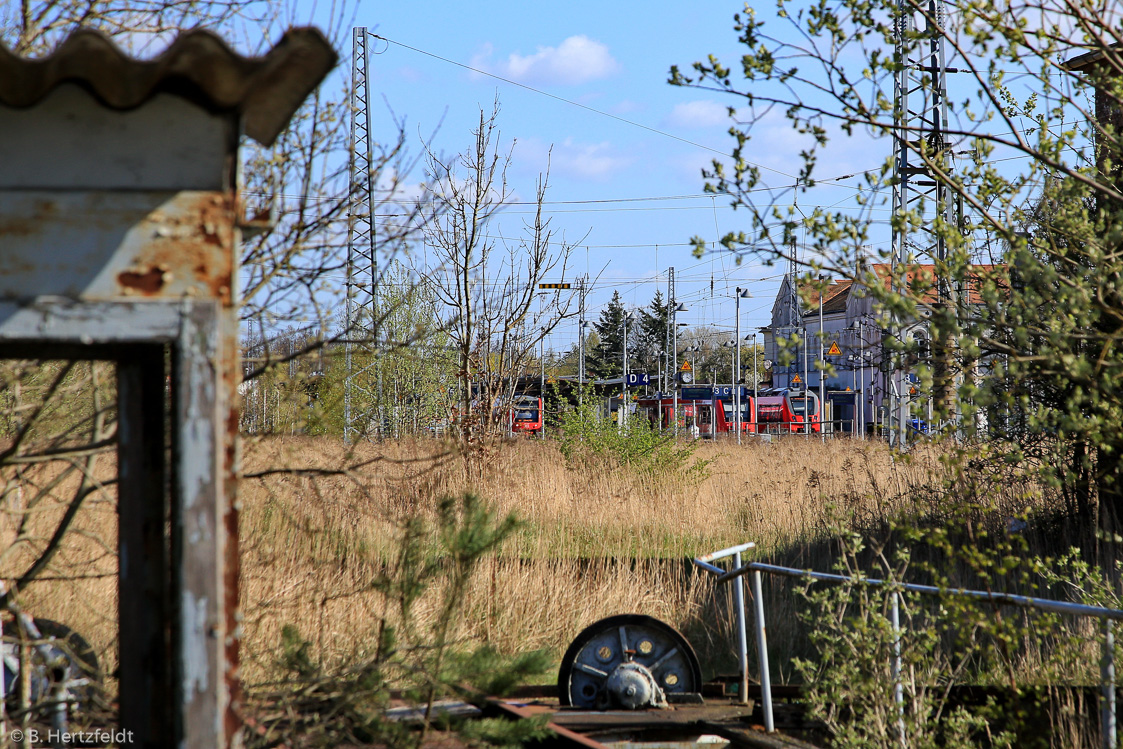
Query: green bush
{"points": [[638, 446]]}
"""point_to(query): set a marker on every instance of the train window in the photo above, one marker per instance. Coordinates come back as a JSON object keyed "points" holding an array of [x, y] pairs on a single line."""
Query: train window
{"points": [[770, 413], [526, 415], [803, 405]]}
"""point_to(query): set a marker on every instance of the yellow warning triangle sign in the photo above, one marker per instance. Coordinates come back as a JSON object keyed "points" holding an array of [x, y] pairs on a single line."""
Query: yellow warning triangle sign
{"points": [[835, 350], [796, 380], [685, 366]]}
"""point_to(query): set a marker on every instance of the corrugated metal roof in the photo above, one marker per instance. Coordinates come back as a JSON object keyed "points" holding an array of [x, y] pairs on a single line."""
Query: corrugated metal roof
{"points": [[1099, 55], [266, 91]]}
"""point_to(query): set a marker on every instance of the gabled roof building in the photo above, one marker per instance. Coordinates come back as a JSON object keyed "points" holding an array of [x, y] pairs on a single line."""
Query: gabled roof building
{"points": [[843, 329]]}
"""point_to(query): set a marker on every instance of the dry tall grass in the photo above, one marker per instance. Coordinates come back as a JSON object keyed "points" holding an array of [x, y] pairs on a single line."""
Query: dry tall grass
{"points": [[79, 585], [773, 494], [597, 541]]}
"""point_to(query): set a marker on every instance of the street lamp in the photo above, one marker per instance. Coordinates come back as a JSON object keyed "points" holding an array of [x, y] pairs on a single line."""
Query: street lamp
{"points": [[730, 344], [680, 307], [822, 361], [542, 382], [694, 348], [741, 294], [733, 356], [621, 414], [756, 377], [863, 359], [691, 350], [857, 363], [855, 360], [581, 326]]}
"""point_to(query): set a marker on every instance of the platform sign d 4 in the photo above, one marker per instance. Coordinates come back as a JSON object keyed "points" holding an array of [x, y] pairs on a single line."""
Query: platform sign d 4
{"points": [[638, 378]]}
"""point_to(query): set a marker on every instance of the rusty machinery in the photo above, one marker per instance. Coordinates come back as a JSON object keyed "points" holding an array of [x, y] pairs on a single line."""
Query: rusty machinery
{"points": [[121, 216], [630, 662]]}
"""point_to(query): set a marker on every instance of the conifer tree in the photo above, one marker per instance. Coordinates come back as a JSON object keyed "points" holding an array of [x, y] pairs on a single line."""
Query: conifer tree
{"points": [[607, 358], [652, 336]]}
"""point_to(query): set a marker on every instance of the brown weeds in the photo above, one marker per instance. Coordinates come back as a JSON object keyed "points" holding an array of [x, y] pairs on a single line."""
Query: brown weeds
{"points": [[320, 522]]}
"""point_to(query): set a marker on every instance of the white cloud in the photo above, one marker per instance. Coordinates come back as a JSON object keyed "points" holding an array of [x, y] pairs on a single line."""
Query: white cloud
{"points": [[697, 114], [578, 59], [591, 161]]}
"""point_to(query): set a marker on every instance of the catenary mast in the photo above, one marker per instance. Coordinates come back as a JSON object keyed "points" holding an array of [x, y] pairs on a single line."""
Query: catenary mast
{"points": [[922, 159], [362, 260]]}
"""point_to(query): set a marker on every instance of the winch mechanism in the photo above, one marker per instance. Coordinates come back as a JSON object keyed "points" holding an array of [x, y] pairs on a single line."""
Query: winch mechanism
{"points": [[629, 662]]}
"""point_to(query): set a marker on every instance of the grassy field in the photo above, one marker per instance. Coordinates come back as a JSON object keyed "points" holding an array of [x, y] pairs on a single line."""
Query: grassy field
{"points": [[596, 540]]}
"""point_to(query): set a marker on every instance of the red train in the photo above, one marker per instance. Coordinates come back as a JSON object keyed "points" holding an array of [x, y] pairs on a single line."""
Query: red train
{"points": [[788, 411], [526, 415], [710, 411]]}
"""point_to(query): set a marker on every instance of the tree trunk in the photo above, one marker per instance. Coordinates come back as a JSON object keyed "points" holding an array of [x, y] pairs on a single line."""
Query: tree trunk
{"points": [[1109, 489]]}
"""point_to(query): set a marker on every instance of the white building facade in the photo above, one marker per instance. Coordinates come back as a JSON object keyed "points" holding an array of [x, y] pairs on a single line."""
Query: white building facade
{"points": [[840, 351]]}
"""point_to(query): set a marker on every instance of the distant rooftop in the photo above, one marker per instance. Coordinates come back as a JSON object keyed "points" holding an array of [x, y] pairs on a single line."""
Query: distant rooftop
{"points": [[835, 296]]}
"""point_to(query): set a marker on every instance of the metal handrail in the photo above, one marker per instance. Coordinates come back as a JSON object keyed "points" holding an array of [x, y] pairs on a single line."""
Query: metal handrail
{"points": [[1107, 615], [1009, 599], [706, 563]]}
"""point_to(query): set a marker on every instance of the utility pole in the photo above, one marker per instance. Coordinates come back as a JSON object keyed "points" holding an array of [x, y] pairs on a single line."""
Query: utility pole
{"points": [[542, 366], [756, 385], [542, 383], [741, 293], [666, 343], [361, 257], [581, 361], [621, 415], [581, 324], [806, 386], [674, 346], [822, 366]]}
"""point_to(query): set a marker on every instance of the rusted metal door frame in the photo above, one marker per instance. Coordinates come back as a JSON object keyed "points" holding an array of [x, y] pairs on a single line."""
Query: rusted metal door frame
{"points": [[178, 633]]}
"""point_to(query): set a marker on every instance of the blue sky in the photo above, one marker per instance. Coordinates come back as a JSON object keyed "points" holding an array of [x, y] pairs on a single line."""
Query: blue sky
{"points": [[634, 192]]}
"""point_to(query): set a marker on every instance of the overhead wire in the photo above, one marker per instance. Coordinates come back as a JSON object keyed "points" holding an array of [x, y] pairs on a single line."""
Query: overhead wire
{"points": [[635, 283], [574, 103], [592, 201]]}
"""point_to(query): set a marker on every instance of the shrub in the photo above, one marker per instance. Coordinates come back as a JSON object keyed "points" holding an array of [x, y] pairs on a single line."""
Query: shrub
{"points": [[638, 445]]}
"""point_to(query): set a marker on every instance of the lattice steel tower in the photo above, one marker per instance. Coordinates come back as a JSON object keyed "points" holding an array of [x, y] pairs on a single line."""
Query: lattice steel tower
{"points": [[360, 404], [922, 160]]}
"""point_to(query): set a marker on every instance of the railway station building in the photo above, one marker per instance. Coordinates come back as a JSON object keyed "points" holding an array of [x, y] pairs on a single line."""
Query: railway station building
{"points": [[843, 327]]}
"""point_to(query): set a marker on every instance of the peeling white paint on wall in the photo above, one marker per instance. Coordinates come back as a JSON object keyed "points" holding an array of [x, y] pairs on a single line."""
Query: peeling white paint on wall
{"points": [[196, 670]]}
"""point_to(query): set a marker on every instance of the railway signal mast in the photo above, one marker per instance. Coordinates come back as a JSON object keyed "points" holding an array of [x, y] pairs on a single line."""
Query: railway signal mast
{"points": [[922, 159], [362, 260]]}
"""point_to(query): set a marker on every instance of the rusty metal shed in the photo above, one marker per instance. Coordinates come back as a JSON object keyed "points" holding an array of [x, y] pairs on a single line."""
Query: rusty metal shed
{"points": [[120, 220]]}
